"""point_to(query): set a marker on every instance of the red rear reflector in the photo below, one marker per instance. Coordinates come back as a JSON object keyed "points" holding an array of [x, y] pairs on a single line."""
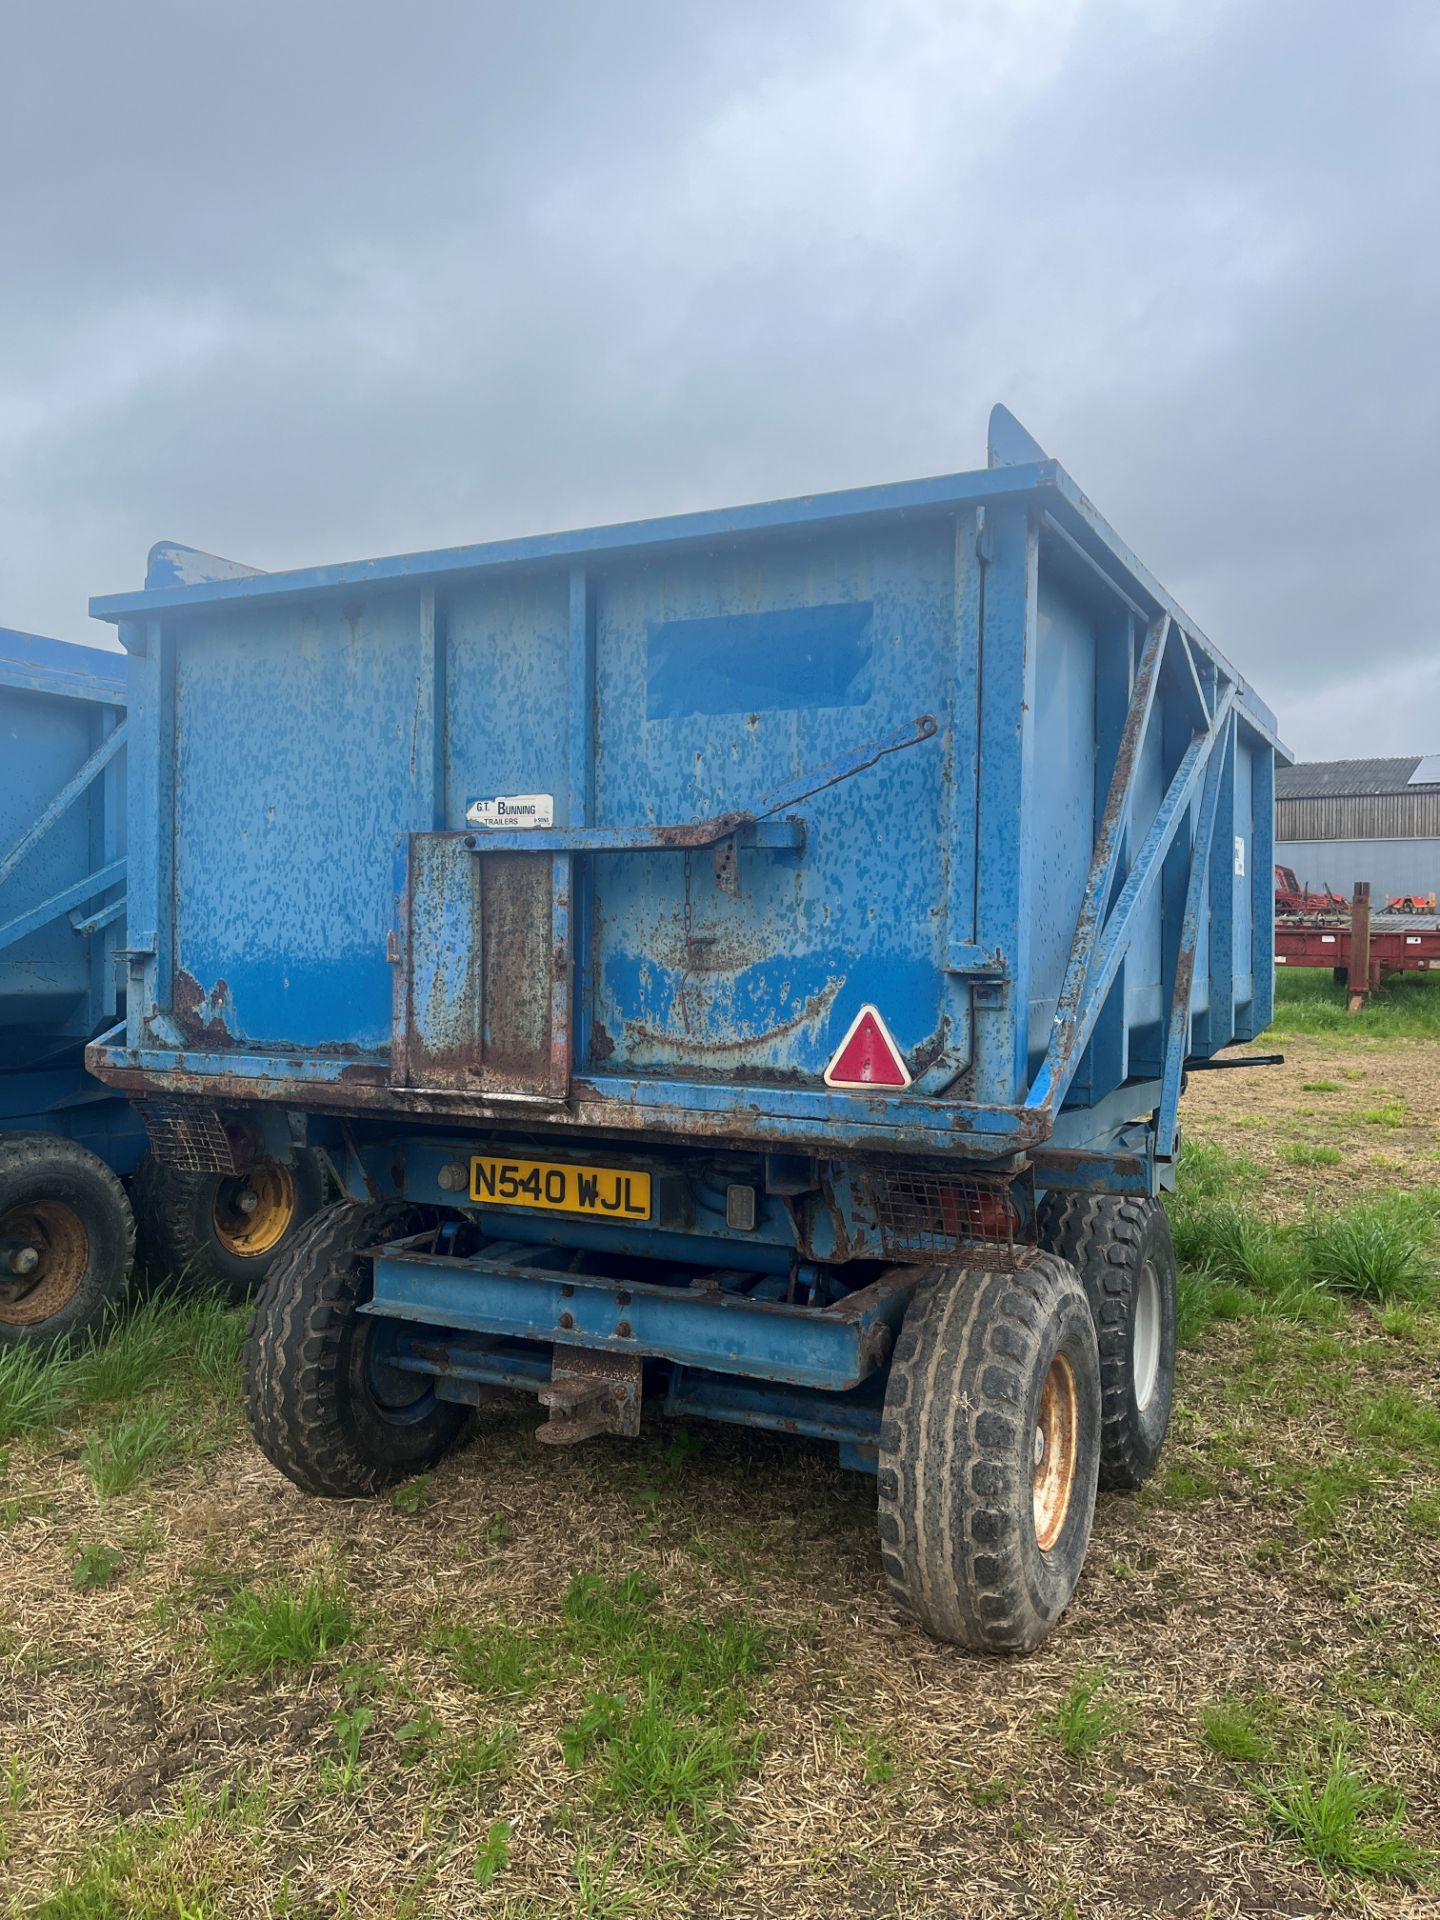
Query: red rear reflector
{"points": [[867, 1056]]}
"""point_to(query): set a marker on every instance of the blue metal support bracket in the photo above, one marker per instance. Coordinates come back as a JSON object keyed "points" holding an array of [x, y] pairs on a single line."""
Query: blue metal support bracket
{"points": [[62, 902], [834, 1348]]}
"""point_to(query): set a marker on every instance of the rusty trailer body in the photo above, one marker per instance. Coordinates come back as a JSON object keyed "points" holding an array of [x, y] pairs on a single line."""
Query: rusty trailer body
{"points": [[687, 939]]}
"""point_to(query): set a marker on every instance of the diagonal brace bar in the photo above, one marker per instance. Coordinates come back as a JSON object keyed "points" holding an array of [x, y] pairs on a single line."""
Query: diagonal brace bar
{"points": [[1059, 1067], [1189, 942], [1108, 842], [71, 791], [58, 903]]}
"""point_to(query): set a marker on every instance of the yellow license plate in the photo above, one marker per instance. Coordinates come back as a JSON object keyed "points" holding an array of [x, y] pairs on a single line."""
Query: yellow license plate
{"points": [[609, 1193]]}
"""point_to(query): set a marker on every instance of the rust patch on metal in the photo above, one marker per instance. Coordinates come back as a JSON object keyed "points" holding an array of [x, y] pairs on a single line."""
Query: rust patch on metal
{"points": [[602, 1047], [200, 1016], [814, 1009]]}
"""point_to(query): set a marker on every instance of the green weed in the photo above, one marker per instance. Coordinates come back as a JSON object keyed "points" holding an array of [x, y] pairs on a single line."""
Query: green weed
{"points": [[598, 1898], [669, 1727], [167, 1338], [415, 1736], [1320, 1086], [1338, 1818], [273, 1627], [1391, 1114], [659, 1758], [413, 1497], [16, 1780], [351, 1725], [95, 1565], [134, 1873], [1326, 1494], [1083, 1722], [1183, 1486], [494, 1854]]}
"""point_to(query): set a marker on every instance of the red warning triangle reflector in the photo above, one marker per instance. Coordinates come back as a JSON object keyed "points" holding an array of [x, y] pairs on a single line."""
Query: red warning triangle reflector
{"points": [[867, 1056]]}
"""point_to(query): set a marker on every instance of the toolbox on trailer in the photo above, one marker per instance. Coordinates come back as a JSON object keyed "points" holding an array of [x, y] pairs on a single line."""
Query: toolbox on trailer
{"points": [[714, 953]]}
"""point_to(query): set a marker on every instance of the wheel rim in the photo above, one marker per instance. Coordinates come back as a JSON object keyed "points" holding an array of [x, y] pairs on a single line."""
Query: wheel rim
{"points": [[1145, 1346], [254, 1211], [398, 1398], [46, 1254], [1052, 1477]]}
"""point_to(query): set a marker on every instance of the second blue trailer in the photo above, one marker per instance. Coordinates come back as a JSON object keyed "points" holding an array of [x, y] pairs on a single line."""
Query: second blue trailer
{"points": [[744, 963]]}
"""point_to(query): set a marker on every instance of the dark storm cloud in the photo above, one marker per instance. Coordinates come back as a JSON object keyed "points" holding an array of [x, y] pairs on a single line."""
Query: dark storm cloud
{"points": [[309, 282]]}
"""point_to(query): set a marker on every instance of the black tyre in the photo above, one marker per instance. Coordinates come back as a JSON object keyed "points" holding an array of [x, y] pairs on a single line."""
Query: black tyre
{"points": [[66, 1240], [989, 1449], [223, 1230], [1125, 1258], [322, 1403]]}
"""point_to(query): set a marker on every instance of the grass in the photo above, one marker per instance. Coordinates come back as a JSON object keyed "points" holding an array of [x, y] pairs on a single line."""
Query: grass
{"points": [[1398, 1418], [652, 1738], [497, 1658], [1236, 1259], [168, 1342], [669, 1729], [1302, 1153], [1238, 1731], [1338, 1818], [478, 1758], [1307, 1002], [1380, 1250], [120, 1454], [665, 1725], [263, 1629]]}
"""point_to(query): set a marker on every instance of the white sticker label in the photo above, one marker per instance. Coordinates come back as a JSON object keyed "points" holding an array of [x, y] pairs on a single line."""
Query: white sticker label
{"points": [[1239, 858], [512, 810]]}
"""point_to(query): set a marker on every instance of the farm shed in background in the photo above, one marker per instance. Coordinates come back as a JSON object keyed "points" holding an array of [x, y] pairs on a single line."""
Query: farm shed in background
{"points": [[1339, 821]]}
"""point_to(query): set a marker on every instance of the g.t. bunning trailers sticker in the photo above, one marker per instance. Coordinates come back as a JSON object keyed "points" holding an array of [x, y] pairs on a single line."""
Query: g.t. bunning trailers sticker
{"points": [[513, 810]]}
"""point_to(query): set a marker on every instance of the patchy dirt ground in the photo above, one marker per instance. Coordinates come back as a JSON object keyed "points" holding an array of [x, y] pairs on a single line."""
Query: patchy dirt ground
{"points": [[1285, 1558], [1374, 1102]]}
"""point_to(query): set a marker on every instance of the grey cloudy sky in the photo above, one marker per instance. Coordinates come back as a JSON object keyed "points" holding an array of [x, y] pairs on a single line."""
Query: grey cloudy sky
{"points": [[315, 280]]}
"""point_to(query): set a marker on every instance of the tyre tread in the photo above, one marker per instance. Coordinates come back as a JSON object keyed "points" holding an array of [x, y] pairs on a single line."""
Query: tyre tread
{"points": [[1102, 1236]]}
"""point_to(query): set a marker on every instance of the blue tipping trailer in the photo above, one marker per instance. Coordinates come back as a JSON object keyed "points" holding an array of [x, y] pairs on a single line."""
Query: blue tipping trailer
{"points": [[66, 1141], [745, 962], [65, 1230]]}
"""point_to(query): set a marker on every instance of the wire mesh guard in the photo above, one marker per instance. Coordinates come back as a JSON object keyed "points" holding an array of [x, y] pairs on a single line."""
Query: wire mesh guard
{"points": [[185, 1134], [920, 1215]]}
